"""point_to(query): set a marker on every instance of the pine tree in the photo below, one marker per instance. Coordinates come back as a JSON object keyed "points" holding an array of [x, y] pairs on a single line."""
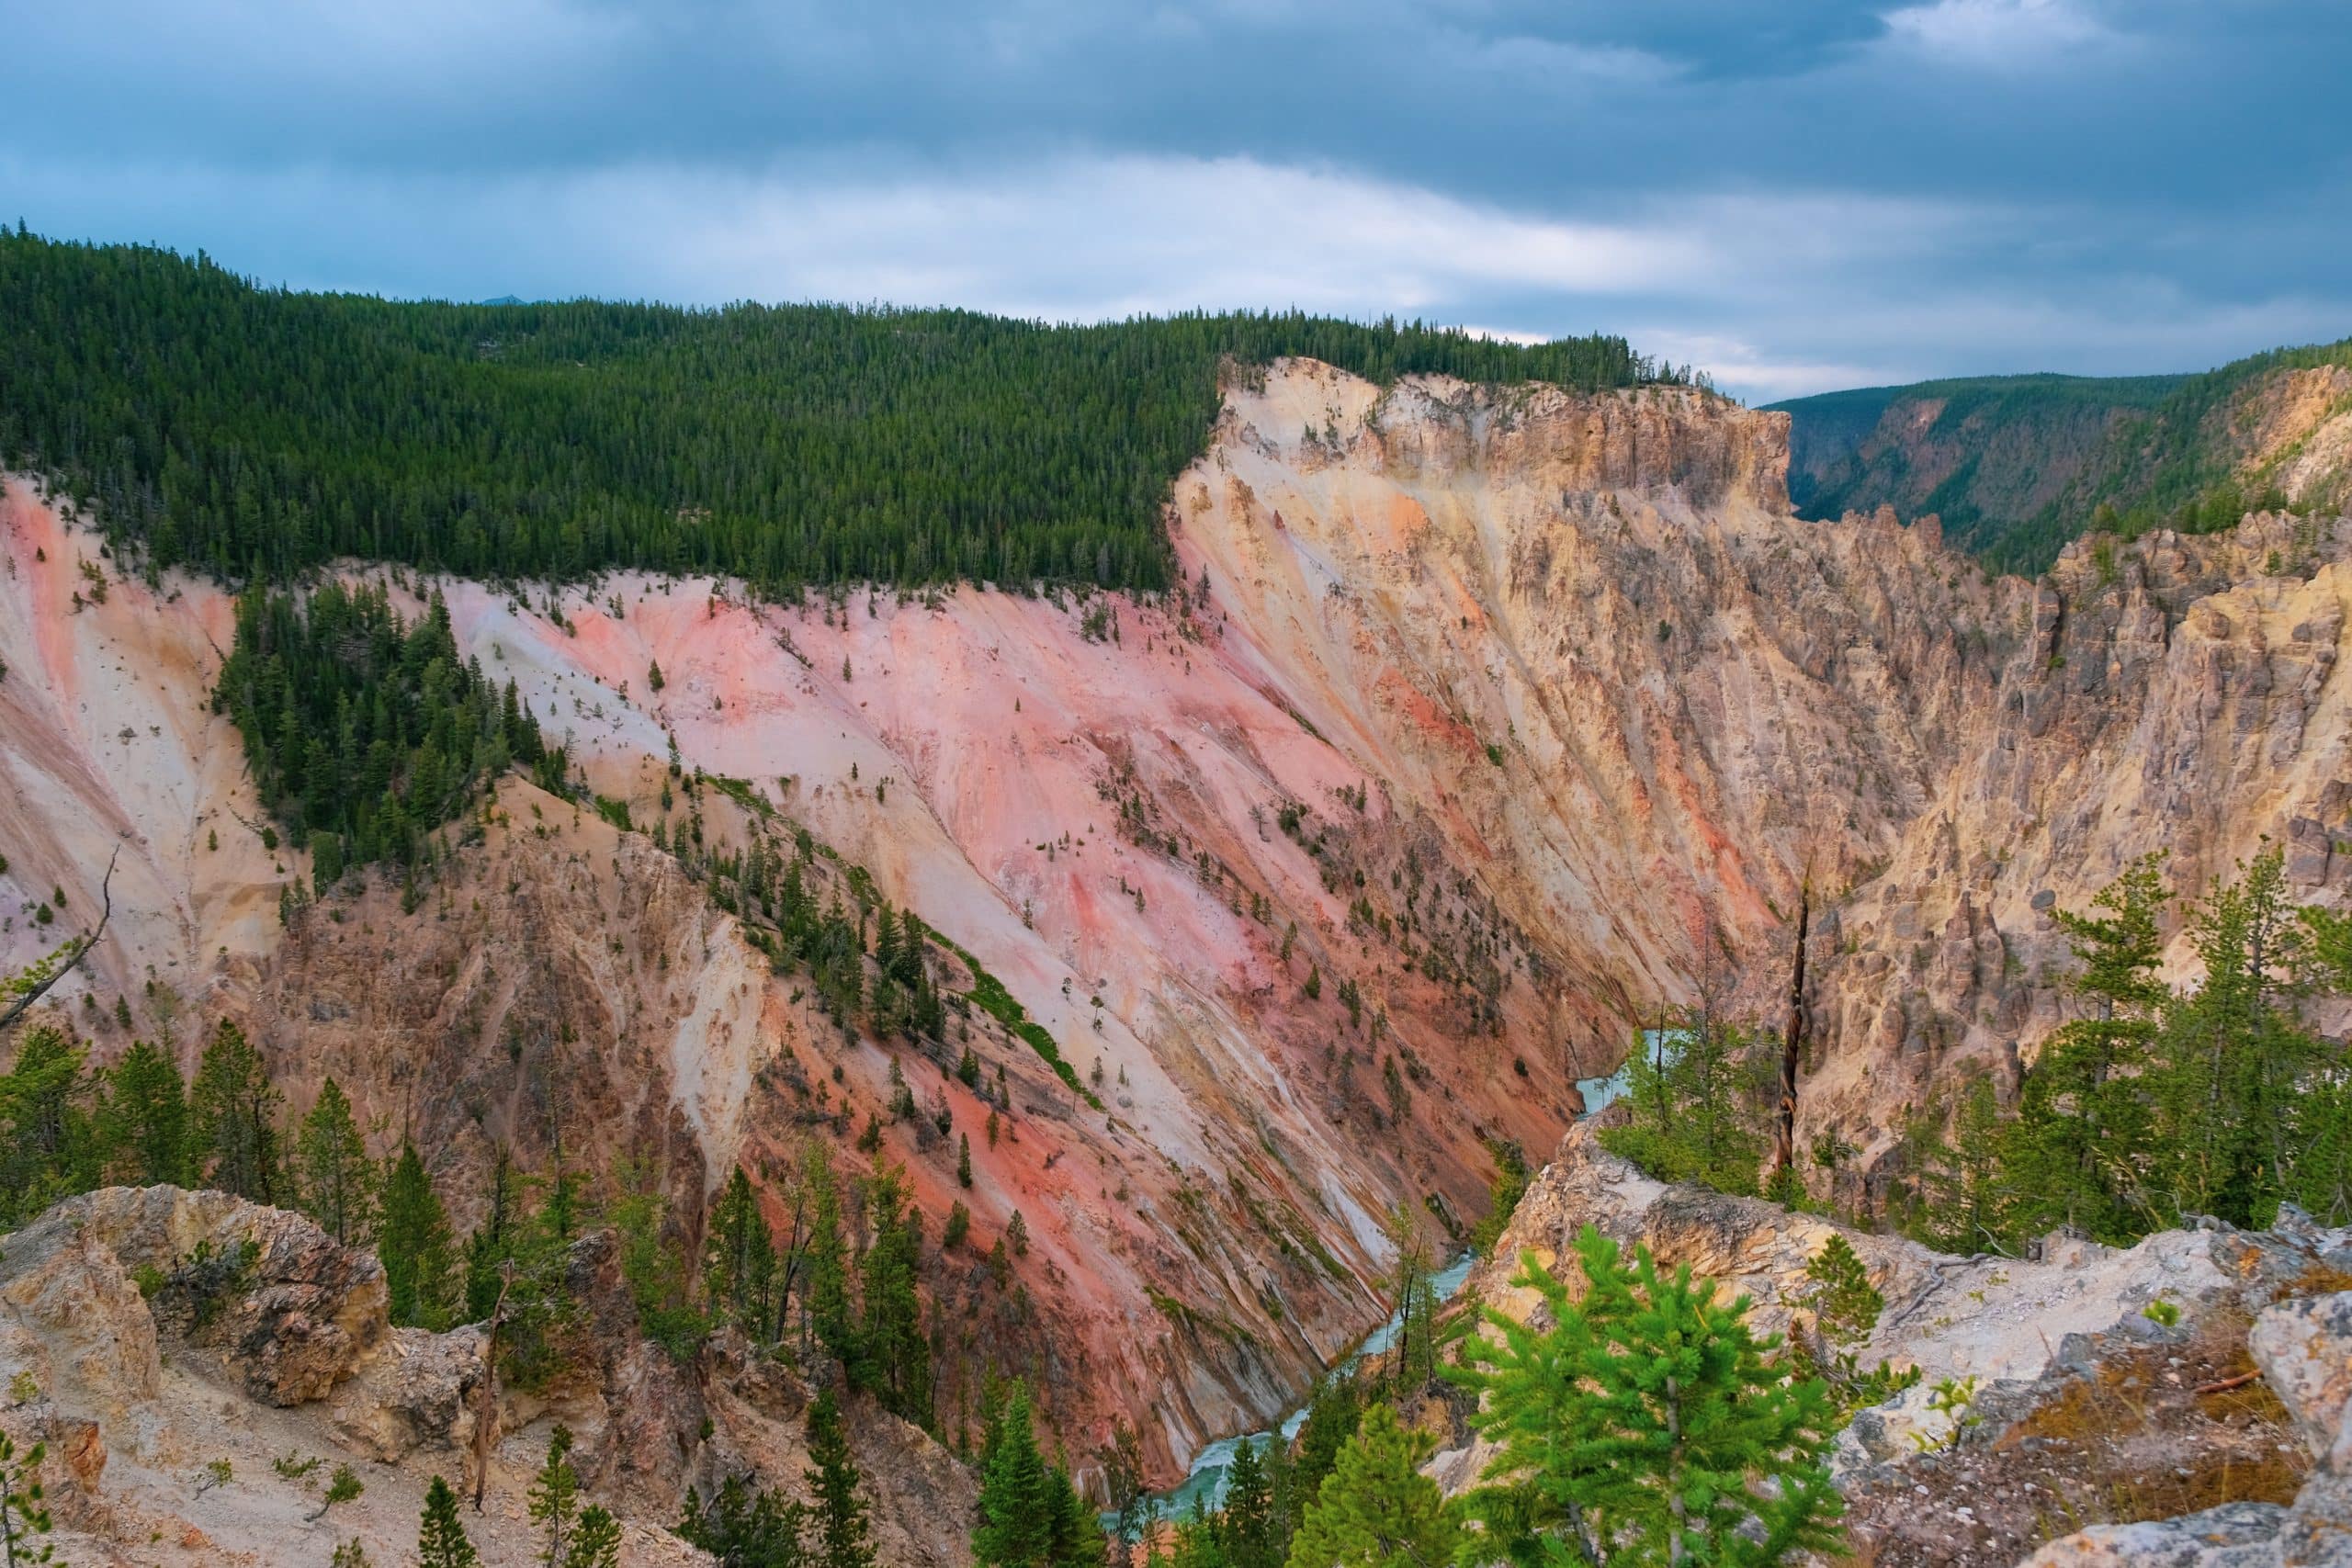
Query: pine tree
{"points": [[1072, 1537], [145, 1118], [2077, 1152], [658, 1278], [1016, 1525], [597, 1543], [743, 1529], [1332, 1417], [23, 1516], [827, 1298], [1699, 1091], [234, 1118], [554, 1499], [1245, 1527], [839, 1512], [414, 1240], [1376, 1509], [739, 1257], [1122, 1460], [2233, 1058], [1416, 1298], [963, 1159], [335, 1178], [1646, 1425], [894, 1357], [441, 1541], [1838, 1289], [51, 1149]]}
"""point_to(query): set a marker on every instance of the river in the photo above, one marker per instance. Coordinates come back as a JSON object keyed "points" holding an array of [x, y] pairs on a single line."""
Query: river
{"points": [[1205, 1480]]}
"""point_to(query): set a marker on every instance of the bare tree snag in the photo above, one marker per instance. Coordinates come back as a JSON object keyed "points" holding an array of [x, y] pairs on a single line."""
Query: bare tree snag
{"points": [[486, 1395], [1784, 1139], [39, 983]]}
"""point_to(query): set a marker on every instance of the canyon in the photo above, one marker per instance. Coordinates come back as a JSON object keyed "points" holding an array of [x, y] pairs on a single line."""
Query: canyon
{"points": [[1488, 722]]}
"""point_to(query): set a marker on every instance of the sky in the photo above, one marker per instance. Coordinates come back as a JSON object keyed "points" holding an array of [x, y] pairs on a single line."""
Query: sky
{"points": [[1793, 194]]}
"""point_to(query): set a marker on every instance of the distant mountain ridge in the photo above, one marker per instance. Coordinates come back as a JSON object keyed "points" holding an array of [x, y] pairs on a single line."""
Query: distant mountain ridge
{"points": [[2017, 465]]}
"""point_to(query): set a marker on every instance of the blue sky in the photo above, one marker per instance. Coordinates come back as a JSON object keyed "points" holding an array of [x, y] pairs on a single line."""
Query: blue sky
{"points": [[1797, 195]]}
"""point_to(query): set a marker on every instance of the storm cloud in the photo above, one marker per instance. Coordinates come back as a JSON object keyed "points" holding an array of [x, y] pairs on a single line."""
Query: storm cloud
{"points": [[1796, 195]]}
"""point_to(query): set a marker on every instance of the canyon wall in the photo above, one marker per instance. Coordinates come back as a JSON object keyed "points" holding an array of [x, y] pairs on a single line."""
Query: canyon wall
{"points": [[1488, 721]]}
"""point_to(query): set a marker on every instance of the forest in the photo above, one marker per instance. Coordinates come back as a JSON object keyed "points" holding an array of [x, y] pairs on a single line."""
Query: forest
{"points": [[250, 432]]}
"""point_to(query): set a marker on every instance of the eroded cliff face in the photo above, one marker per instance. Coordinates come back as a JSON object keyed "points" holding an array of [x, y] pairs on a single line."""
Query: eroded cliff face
{"points": [[1496, 711]]}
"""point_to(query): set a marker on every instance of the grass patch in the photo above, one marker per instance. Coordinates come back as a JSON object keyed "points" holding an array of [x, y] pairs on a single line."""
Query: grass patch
{"points": [[988, 992]]}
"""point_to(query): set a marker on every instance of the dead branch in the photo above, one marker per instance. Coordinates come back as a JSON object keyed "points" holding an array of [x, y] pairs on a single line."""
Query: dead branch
{"points": [[24, 1004]]}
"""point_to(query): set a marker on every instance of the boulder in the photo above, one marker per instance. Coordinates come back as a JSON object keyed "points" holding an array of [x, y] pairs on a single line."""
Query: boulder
{"points": [[413, 1393], [2305, 1349], [2235, 1534]]}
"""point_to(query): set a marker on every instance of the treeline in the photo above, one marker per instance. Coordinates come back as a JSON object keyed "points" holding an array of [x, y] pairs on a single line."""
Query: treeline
{"points": [[2159, 1103], [365, 733], [243, 430]]}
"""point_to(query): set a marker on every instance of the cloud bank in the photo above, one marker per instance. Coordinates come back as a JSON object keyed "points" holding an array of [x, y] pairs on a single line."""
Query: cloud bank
{"points": [[1795, 198]]}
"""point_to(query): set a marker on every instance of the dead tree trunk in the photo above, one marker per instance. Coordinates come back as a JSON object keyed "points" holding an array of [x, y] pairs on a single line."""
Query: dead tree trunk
{"points": [[486, 1399], [1784, 1141], [66, 959]]}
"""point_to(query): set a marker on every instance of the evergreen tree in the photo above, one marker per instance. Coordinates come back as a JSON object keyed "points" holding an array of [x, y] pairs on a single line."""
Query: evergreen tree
{"points": [[334, 1176], [658, 1278], [414, 1240], [1416, 1298], [739, 1260], [1700, 1092], [234, 1118], [1333, 1417], [2077, 1153], [144, 1120], [553, 1500], [23, 1516], [1245, 1525], [441, 1539], [1016, 1522], [1839, 1292], [894, 1357], [1961, 1198], [839, 1512], [1073, 1539], [597, 1543], [2234, 1058], [51, 1149], [225, 427], [1646, 1425], [743, 1529], [827, 1299], [1376, 1509], [1122, 1460]]}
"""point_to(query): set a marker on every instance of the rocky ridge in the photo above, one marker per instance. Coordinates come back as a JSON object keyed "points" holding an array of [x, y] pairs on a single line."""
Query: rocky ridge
{"points": [[148, 1332], [2185, 1393]]}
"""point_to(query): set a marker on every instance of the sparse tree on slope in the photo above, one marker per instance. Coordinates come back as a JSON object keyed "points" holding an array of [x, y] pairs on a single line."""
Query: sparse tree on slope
{"points": [[419, 1253], [1016, 1525], [336, 1179], [441, 1539], [235, 1118], [839, 1512]]}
